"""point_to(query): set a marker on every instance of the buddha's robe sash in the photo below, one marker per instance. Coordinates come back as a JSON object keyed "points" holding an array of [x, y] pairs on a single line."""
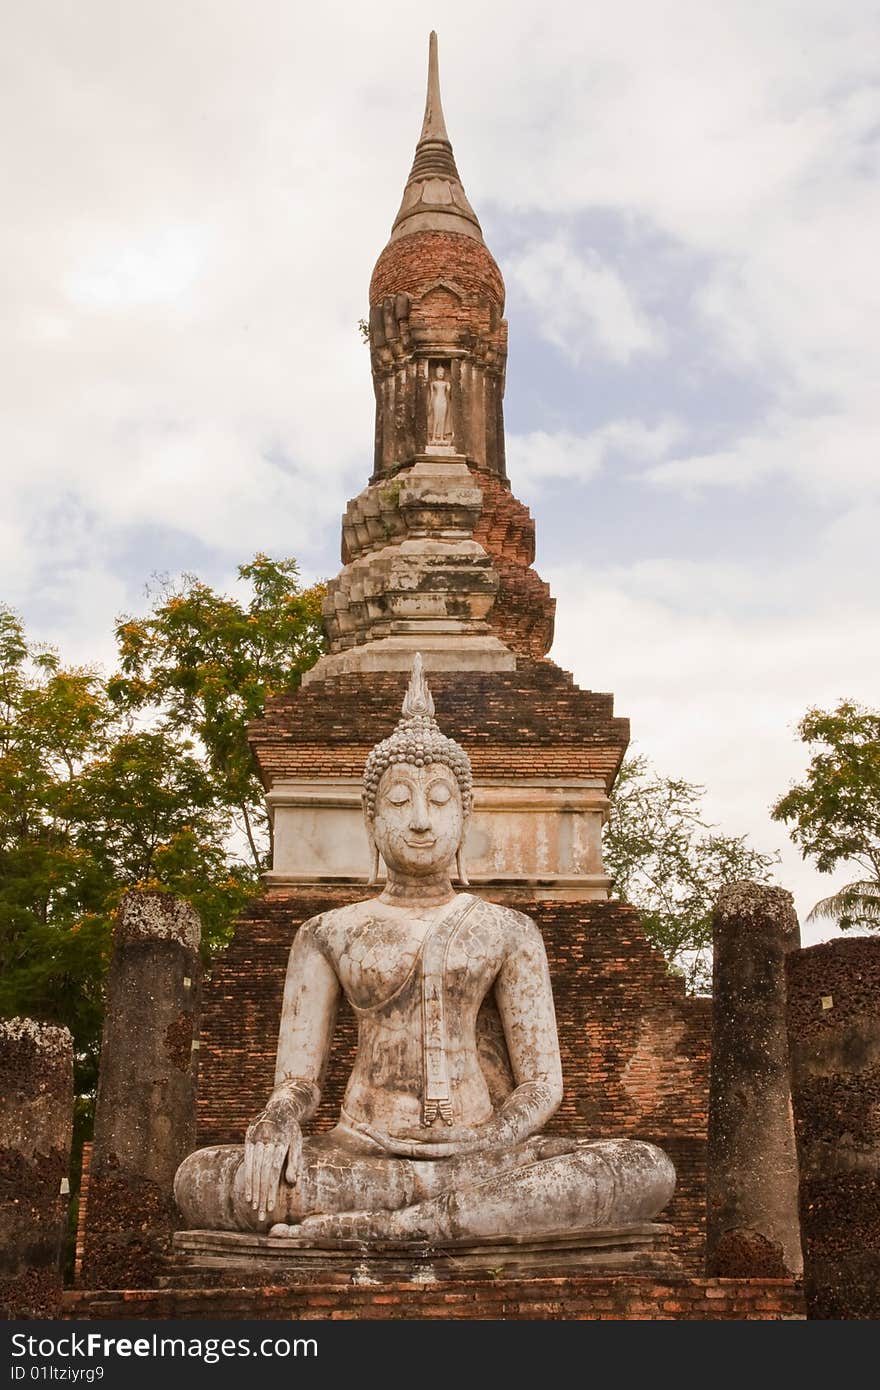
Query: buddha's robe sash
{"points": [[436, 1099]]}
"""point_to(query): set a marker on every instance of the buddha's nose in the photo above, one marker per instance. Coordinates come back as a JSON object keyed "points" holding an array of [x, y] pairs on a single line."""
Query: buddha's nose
{"points": [[418, 820]]}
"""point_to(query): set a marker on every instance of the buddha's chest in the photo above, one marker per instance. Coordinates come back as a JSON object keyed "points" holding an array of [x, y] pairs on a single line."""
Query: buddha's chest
{"points": [[383, 963]]}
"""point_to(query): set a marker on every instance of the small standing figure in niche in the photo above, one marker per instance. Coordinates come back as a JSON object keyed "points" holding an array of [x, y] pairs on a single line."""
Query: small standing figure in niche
{"points": [[440, 410]]}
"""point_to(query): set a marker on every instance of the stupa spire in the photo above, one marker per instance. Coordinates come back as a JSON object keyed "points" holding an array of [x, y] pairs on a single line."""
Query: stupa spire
{"points": [[433, 126], [439, 561], [434, 199]]}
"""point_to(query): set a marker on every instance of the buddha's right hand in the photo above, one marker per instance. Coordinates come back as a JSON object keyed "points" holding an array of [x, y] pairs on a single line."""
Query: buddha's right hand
{"points": [[272, 1137]]}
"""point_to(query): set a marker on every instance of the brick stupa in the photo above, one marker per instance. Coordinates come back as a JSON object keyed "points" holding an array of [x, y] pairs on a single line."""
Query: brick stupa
{"points": [[437, 557]]}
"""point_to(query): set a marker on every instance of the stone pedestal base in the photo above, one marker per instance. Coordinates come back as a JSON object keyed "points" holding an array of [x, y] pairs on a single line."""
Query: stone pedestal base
{"points": [[237, 1258]]}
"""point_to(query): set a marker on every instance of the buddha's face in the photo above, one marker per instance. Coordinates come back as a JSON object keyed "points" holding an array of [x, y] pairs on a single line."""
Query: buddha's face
{"points": [[419, 820]]}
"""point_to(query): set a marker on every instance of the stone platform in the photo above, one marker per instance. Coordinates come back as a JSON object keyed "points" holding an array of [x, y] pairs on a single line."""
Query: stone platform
{"points": [[230, 1257]]}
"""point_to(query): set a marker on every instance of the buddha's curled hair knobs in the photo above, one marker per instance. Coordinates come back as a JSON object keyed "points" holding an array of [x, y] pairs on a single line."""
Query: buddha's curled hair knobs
{"points": [[417, 740]]}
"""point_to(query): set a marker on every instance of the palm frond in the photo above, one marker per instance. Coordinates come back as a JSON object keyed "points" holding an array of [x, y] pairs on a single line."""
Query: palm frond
{"points": [[856, 904]]}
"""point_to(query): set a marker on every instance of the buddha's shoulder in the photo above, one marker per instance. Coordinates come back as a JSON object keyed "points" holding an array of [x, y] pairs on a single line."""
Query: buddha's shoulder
{"points": [[333, 929], [338, 922], [516, 926]]}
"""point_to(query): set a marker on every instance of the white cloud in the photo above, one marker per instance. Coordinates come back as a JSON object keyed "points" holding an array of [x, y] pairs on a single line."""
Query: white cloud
{"points": [[714, 692], [121, 275], [830, 457], [539, 457], [749, 137], [581, 304]]}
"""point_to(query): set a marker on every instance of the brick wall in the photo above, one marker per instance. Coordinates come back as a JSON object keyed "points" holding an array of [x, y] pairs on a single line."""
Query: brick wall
{"points": [[505, 526], [616, 1297], [524, 610]]}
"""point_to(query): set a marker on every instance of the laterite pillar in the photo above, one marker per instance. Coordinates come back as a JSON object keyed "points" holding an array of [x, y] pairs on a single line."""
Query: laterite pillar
{"points": [[36, 1127], [145, 1113], [751, 1185]]}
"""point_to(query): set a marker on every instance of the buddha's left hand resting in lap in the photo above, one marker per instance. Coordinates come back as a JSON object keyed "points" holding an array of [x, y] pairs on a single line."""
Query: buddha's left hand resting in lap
{"points": [[421, 1152]]}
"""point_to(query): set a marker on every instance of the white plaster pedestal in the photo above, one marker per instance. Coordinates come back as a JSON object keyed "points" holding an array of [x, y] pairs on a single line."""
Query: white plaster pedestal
{"points": [[532, 832]]}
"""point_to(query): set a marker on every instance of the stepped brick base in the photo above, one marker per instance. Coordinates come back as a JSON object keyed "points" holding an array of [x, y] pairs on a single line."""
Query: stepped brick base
{"points": [[614, 1297], [531, 722]]}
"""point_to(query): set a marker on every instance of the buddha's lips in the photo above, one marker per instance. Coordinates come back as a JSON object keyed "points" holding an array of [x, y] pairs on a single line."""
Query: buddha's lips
{"points": [[420, 844]]}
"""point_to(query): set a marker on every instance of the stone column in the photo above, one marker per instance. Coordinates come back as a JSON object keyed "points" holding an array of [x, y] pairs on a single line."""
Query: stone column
{"points": [[834, 1041], [146, 1106], [36, 1127], [751, 1180]]}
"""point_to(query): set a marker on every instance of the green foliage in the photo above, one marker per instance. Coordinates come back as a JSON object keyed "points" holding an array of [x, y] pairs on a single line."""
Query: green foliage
{"points": [[670, 863], [205, 663], [54, 917], [835, 811], [141, 781]]}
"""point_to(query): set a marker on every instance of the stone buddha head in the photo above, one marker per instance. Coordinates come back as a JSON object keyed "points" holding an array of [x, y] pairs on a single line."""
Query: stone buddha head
{"points": [[417, 792]]}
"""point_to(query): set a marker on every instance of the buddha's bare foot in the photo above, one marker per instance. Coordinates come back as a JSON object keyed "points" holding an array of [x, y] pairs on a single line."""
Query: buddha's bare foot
{"points": [[340, 1226]]}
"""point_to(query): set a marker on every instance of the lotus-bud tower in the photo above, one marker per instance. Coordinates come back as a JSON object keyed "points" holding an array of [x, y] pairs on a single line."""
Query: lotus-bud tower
{"points": [[437, 551]]}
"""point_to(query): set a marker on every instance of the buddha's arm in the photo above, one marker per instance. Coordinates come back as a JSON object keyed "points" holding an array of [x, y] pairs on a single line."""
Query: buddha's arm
{"points": [[308, 1015], [525, 1002], [311, 994]]}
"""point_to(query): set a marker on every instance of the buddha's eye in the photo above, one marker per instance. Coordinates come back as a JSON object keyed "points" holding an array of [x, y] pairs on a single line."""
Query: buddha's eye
{"points": [[439, 794], [399, 794]]}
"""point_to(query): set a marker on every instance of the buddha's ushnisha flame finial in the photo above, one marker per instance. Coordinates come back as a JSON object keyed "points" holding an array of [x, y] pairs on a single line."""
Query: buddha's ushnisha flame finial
{"points": [[418, 700], [417, 741]]}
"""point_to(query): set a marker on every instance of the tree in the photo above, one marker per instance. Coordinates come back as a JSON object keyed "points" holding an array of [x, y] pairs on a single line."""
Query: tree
{"points": [[89, 807], [205, 663], [143, 780], [835, 811], [670, 863]]}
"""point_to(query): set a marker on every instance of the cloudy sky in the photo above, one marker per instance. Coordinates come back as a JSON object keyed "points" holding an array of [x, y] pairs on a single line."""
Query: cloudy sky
{"points": [[683, 198]]}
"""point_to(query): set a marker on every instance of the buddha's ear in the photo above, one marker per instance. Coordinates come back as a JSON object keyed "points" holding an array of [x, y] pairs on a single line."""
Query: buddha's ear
{"points": [[459, 869], [374, 866], [374, 849]]}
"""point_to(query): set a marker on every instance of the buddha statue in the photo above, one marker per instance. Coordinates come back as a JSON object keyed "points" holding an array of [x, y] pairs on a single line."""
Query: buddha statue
{"points": [[437, 1140], [440, 411]]}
